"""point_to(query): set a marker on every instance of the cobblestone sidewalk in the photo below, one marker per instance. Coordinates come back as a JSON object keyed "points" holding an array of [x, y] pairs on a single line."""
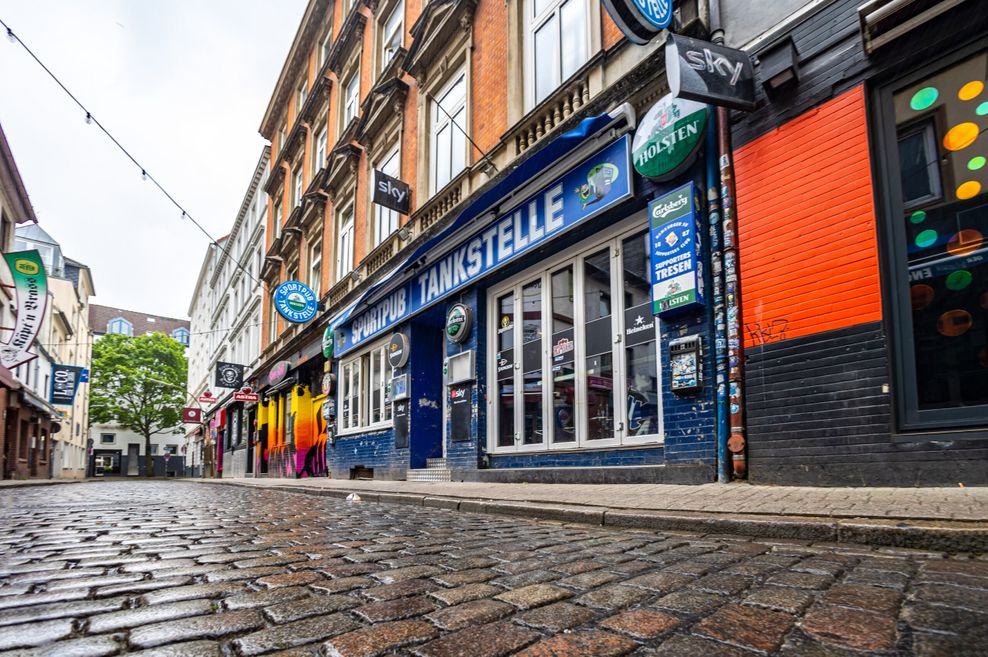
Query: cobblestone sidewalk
{"points": [[963, 504], [172, 568]]}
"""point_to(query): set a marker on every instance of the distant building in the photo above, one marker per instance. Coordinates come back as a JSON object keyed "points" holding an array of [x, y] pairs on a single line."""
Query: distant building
{"points": [[226, 322], [29, 420], [65, 339], [116, 450]]}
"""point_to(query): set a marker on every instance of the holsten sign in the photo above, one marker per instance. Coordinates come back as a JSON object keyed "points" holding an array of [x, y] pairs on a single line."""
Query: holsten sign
{"points": [[599, 182], [668, 137], [705, 72], [675, 252]]}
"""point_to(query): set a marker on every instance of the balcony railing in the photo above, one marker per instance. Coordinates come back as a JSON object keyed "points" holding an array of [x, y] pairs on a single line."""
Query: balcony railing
{"points": [[550, 113]]}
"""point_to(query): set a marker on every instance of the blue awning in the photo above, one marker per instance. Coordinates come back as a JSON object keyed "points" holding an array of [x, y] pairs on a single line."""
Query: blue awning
{"points": [[523, 173]]}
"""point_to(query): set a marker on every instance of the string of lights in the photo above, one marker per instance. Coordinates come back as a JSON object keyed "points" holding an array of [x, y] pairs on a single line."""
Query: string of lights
{"points": [[90, 119], [191, 333]]}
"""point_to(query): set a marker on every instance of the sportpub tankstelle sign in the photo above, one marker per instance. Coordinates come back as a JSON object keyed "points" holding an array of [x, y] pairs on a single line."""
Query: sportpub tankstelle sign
{"points": [[296, 302]]}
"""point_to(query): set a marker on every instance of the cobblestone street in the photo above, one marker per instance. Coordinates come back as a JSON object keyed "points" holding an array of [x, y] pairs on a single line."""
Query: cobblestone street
{"points": [[171, 568]]}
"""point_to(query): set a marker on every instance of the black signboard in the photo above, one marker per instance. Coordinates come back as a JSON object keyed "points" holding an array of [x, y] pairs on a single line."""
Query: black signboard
{"points": [[401, 423], [229, 375], [398, 351], [460, 413], [709, 73], [64, 382], [391, 192], [505, 364], [563, 347], [639, 324]]}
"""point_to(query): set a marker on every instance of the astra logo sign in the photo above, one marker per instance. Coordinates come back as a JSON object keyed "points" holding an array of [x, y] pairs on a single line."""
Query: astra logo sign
{"points": [[709, 73], [391, 192], [596, 184]]}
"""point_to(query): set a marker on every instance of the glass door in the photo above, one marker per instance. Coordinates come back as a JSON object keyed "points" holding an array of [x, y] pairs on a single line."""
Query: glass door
{"points": [[601, 424]]}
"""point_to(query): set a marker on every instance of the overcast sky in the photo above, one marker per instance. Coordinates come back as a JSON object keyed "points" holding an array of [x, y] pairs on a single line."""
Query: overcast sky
{"points": [[183, 84]]}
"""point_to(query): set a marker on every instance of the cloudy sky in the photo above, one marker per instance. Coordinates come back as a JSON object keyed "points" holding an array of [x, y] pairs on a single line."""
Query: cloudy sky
{"points": [[183, 84]]}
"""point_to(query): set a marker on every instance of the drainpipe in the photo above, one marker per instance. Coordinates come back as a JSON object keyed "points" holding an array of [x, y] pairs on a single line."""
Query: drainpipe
{"points": [[717, 292], [732, 279]]}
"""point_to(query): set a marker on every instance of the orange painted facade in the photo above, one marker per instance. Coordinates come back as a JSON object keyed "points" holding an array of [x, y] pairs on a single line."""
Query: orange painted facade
{"points": [[809, 255]]}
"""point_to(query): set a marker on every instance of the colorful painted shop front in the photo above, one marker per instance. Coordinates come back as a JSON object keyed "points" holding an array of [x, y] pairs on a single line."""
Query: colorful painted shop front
{"points": [[552, 331]]}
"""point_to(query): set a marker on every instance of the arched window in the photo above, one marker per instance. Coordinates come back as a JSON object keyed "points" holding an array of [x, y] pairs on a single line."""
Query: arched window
{"points": [[181, 335], [120, 326]]}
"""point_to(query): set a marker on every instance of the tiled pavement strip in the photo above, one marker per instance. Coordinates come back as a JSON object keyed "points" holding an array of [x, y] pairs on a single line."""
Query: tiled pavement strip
{"points": [[175, 568]]}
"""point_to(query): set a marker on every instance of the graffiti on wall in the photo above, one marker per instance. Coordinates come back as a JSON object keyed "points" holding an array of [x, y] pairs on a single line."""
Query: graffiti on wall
{"points": [[291, 433]]}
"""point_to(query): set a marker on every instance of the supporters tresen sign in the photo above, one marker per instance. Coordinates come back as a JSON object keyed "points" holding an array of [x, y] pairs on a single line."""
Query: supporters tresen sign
{"points": [[599, 182]]}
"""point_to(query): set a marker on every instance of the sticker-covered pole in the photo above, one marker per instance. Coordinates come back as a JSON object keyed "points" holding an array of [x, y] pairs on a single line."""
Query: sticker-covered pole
{"points": [[732, 293]]}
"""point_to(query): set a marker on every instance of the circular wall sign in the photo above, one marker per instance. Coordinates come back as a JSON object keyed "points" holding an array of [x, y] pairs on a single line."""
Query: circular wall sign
{"points": [[328, 383], [458, 321], [668, 137], [278, 372], [295, 302], [328, 340], [398, 350]]}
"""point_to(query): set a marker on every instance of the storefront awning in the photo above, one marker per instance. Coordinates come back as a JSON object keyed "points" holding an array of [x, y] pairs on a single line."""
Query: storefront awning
{"points": [[530, 169], [7, 379]]}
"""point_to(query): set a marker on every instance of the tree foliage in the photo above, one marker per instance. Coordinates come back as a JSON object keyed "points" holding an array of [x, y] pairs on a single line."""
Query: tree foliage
{"points": [[138, 383]]}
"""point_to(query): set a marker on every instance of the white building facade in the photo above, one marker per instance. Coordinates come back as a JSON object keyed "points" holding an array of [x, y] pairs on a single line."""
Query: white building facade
{"points": [[226, 327]]}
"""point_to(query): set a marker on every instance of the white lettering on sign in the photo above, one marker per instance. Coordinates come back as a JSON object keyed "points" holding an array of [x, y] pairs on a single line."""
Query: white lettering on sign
{"points": [[512, 233], [706, 60], [385, 187], [388, 310], [667, 143]]}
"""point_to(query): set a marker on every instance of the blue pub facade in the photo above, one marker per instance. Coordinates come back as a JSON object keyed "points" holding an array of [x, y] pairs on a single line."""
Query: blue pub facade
{"points": [[518, 341]]}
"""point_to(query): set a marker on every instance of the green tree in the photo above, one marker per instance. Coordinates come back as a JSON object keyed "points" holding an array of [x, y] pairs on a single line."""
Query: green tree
{"points": [[139, 384]]}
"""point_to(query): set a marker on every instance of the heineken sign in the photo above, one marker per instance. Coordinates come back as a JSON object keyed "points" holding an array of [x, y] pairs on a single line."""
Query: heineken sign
{"points": [[668, 137], [327, 342], [458, 323], [295, 302]]}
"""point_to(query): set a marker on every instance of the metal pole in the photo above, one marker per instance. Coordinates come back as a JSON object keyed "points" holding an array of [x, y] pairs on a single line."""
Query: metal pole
{"points": [[732, 288], [717, 289]]}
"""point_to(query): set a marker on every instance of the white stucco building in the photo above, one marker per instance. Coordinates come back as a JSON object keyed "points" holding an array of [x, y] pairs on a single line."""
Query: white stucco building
{"points": [[226, 315]]}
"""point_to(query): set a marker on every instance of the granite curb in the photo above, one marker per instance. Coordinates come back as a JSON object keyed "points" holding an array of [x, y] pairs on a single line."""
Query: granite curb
{"points": [[946, 536]]}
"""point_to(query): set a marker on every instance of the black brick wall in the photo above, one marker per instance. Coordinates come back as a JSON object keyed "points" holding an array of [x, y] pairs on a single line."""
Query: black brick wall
{"points": [[817, 416]]}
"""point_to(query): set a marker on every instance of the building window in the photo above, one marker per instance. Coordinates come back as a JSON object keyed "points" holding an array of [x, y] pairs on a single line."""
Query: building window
{"points": [[392, 33], [326, 46], [363, 390], [298, 188], [120, 326], [558, 38], [351, 99], [386, 219], [315, 267], [448, 141], [319, 151], [344, 242], [564, 379], [154, 449], [107, 438], [272, 324], [300, 97], [181, 335], [276, 220], [935, 154], [171, 449]]}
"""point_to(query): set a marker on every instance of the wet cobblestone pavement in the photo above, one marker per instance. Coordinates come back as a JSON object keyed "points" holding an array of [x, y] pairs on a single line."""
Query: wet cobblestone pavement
{"points": [[172, 568]]}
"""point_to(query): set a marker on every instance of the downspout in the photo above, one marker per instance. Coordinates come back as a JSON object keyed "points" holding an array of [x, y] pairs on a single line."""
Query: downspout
{"points": [[717, 288], [732, 279]]}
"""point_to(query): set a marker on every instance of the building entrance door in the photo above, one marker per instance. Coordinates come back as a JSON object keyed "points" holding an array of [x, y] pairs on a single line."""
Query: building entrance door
{"points": [[133, 460]]}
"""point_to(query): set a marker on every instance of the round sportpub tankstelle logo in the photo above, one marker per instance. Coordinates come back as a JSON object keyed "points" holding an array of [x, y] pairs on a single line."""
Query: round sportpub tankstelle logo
{"points": [[296, 302]]}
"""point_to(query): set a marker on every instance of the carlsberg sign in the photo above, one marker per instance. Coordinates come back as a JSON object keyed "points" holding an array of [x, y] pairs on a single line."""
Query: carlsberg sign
{"points": [[668, 137]]}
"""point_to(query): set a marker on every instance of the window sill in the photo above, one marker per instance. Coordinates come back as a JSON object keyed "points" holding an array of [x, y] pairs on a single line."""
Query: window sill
{"points": [[371, 428], [578, 449]]}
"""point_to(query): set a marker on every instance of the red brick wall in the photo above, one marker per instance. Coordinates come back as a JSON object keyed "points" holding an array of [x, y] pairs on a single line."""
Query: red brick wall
{"points": [[489, 77], [809, 259]]}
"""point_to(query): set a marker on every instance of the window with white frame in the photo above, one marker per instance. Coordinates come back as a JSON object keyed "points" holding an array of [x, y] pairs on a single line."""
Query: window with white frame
{"points": [[363, 390], [315, 266], [351, 98], [319, 151], [575, 360], [557, 38], [386, 219], [272, 324], [298, 187], [107, 438], [120, 326], [344, 242], [276, 220], [448, 145], [326, 46], [392, 33], [301, 96]]}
